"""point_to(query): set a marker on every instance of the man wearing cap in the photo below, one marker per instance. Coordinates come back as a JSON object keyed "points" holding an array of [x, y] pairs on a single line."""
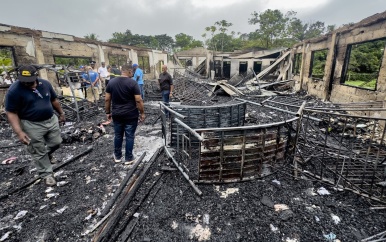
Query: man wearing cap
{"points": [[138, 76], [92, 64], [90, 80], [30, 103]]}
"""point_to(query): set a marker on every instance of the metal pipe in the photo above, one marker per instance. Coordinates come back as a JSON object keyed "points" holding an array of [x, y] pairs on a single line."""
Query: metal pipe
{"points": [[192, 131], [346, 115], [248, 127], [328, 109], [172, 111], [186, 176], [279, 109], [300, 111], [257, 80], [74, 96]]}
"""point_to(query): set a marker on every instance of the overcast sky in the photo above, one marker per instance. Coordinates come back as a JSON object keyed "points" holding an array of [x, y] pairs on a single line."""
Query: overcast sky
{"points": [[171, 17]]}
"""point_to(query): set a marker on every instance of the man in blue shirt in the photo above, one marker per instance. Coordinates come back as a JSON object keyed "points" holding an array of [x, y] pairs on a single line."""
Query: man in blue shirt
{"points": [[90, 80], [138, 76], [30, 103]]}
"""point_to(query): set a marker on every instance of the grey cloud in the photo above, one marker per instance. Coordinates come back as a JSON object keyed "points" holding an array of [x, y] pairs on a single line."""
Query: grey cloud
{"points": [[149, 17]]}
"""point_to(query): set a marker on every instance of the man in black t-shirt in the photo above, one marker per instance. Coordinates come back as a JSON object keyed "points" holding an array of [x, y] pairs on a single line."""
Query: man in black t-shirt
{"points": [[122, 102], [165, 81], [30, 104]]}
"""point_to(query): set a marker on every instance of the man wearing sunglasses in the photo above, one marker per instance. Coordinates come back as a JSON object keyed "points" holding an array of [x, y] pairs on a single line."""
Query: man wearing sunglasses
{"points": [[30, 103]]}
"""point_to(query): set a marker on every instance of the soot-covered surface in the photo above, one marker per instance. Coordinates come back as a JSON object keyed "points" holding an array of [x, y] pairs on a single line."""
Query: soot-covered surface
{"points": [[172, 212]]}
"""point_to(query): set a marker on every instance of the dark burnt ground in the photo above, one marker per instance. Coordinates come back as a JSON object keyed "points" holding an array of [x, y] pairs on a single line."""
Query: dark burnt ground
{"points": [[177, 213], [171, 211]]}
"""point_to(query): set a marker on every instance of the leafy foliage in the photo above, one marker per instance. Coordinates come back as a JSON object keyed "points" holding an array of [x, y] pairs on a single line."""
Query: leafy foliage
{"points": [[92, 36], [364, 64], [158, 42], [71, 61], [273, 25], [6, 59], [186, 42], [319, 58]]}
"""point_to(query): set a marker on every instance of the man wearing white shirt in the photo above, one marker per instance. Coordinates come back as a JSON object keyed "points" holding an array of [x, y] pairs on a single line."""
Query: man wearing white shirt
{"points": [[103, 73]]}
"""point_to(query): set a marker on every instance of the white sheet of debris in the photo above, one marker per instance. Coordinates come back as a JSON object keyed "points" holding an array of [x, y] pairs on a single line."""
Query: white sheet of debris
{"points": [[323, 191], [227, 192], [200, 233], [5, 236], [21, 214]]}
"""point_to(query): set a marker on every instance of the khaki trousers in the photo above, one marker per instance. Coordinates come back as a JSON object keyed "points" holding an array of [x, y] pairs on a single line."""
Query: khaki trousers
{"points": [[45, 139]]}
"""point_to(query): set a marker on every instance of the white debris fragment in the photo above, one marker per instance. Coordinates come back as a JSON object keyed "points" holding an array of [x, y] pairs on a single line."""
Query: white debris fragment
{"points": [[42, 207], [88, 217], [273, 228], [20, 214], [317, 219], [48, 190], [17, 227], [61, 183], [280, 207], [382, 183], [56, 174], [330, 237], [323, 191], [205, 219], [227, 192], [361, 125], [276, 181], [174, 225], [60, 211], [201, 233], [335, 218], [5, 236], [49, 195], [310, 192], [9, 160], [156, 174], [136, 215], [291, 240]]}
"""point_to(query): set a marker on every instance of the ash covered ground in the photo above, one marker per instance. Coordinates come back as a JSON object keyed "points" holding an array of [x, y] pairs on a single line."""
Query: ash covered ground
{"points": [[165, 208]]}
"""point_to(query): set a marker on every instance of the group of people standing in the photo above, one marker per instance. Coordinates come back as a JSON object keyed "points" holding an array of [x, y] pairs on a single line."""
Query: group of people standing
{"points": [[31, 103]]}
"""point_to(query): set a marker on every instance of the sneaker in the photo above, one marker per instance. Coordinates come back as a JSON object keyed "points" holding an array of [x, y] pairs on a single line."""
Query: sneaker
{"points": [[116, 160], [53, 160], [129, 162], [50, 181]]}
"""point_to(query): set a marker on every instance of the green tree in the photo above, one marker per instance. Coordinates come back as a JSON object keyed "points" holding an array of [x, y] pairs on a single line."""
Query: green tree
{"points": [[165, 42], [159, 42], [331, 28], [299, 31], [92, 36], [186, 42], [315, 29], [223, 26], [210, 42], [272, 25]]}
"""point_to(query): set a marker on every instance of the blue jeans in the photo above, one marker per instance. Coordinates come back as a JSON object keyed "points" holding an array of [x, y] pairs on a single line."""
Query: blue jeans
{"points": [[142, 91], [165, 99], [126, 128]]}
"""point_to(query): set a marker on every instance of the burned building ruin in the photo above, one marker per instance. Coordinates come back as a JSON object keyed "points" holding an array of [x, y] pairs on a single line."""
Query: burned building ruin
{"points": [[239, 122]]}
